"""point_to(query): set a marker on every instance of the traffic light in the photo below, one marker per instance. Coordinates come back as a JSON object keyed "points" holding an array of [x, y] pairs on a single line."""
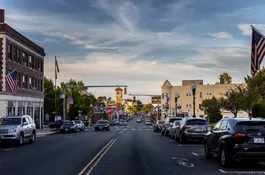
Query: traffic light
{"points": [[152, 99], [125, 91], [134, 100]]}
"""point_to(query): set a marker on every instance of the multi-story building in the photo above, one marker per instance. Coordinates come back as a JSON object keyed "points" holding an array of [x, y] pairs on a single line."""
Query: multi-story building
{"points": [[18, 52], [185, 97]]}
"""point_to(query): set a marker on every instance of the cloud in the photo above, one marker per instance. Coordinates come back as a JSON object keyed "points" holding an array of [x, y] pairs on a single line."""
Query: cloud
{"points": [[223, 35], [247, 30]]}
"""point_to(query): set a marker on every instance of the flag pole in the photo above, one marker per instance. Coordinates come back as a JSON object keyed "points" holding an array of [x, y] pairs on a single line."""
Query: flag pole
{"points": [[55, 75]]}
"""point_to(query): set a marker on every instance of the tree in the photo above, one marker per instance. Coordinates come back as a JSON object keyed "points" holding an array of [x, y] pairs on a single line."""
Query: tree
{"points": [[212, 109], [139, 105], [257, 83], [148, 107], [49, 100], [233, 102], [227, 78], [132, 110]]}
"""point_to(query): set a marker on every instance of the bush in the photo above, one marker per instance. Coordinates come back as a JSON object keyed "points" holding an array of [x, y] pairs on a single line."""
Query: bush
{"points": [[259, 110]]}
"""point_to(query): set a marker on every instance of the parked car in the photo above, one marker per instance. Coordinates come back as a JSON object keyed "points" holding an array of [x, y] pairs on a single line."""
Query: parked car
{"points": [[56, 125], [113, 122], [139, 120], [17, 129], [235, 139], [102, 125], [69, 126], [167, 124], [172, 130], [148, 122], [157, 125], [191, 128], [123, 123], [80, 125]]}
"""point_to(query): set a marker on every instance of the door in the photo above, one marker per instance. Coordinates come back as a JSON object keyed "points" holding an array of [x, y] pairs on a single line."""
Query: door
{"points": [[222, 130], [26, 127], [213, 135]]}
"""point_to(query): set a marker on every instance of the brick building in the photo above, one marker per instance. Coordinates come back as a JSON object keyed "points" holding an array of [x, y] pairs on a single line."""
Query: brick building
{"points": [[18, 52]]}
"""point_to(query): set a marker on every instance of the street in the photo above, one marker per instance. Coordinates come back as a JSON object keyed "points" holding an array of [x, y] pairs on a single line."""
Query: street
{"points": [[125, 150]]}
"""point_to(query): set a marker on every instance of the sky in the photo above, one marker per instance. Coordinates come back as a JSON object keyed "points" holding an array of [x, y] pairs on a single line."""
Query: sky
{"points": [[140, 43]]}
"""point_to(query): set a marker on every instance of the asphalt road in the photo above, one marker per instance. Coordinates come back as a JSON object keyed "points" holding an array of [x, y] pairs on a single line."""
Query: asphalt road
{"points": [[131, 150]]}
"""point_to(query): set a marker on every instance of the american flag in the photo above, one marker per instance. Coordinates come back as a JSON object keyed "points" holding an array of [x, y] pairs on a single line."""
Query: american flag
{"points": [[11, 79], [257, 50], [70, 100]]}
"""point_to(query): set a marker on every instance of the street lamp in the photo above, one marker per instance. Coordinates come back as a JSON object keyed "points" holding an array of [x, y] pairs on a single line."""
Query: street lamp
{"points": [[90, 118], [101, 110], [176, 103], [193, 88], [158, 109]]}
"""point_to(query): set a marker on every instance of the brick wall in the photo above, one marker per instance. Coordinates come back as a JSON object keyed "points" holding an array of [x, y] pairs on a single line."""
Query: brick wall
{"points": [[1, 62]]}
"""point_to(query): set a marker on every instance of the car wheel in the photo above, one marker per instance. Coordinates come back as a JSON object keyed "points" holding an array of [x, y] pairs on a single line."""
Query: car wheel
{"points": [[33, 137], [21, 139], [225, 159], [207, 154]]}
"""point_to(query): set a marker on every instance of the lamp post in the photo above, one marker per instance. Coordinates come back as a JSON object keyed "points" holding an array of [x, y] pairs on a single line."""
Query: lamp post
{"points": [[193, 88], [158, 111], [176, 103], [90, 117], [101, 110]]}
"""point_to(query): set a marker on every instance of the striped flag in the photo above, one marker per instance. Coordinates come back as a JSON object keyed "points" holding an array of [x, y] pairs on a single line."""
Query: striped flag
{"points": [[11, 79], [70, 100], [257, 50]]}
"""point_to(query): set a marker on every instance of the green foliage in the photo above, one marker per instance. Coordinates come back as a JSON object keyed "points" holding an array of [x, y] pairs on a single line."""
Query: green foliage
{"points": [[212, 109], [227, 78], [132, 110], [148, 107], [259, 109], [257, 82]]}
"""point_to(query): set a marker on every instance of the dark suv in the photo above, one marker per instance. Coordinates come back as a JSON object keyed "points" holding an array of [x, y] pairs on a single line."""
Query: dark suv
{"points": [[191, 128], [236, 139]]}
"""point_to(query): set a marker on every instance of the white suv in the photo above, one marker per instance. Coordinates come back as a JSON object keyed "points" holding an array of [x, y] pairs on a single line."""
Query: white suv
{"points": [[17, 129]]}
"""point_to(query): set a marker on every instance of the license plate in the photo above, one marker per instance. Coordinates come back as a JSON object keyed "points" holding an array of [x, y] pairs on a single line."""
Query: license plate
{"points": [[66, 129], [198, 130], [258, 140]]}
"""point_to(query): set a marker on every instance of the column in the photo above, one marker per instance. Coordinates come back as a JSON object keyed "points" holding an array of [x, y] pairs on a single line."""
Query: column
{"points": [[33, 111], [16, 107]]}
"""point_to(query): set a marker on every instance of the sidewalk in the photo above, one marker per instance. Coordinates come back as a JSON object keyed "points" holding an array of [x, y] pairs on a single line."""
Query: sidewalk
{"points": [[45, 131]]}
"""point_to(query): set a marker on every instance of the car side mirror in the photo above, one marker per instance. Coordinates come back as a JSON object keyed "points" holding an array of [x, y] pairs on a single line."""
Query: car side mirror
{"points": [[210, 128]]}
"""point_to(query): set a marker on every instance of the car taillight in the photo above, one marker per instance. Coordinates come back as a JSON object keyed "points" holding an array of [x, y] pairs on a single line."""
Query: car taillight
{"points": [[239, 135], [186, 127]]}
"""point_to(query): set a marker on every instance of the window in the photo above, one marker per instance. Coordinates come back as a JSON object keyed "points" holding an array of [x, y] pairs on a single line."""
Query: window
{"points": [[19, 79], [25, 59], [25, 81], [30, 83], [19, 111], [10, 111], [30, 61], [223, 125], [208, 93], [41, 85], [15, 54], [29, 111], [187, 94], [189, 105], [41, 66], [24, 120], [36, 84], [200, 94], [200, 107], [18, 56], [10, 52], [217, 126]]}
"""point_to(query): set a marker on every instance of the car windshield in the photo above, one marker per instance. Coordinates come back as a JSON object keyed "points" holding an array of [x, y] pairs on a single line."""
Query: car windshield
{"points": [[196, 122], [10, 121], [161, 122], [101, 122], [77, 121], [251, 126], [177, 122], [173, 119], [67, 122]]}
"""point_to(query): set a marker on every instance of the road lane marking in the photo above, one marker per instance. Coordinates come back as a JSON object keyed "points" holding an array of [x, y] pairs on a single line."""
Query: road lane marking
{"points": [[84, 169], [139, 129], [180, 145], [241, 172], [91, 169], [194, 154], [133, 129]]}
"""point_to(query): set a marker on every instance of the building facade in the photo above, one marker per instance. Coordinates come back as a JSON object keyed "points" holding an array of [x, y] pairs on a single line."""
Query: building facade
{"points": [[18, 52], [185, 99]]}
